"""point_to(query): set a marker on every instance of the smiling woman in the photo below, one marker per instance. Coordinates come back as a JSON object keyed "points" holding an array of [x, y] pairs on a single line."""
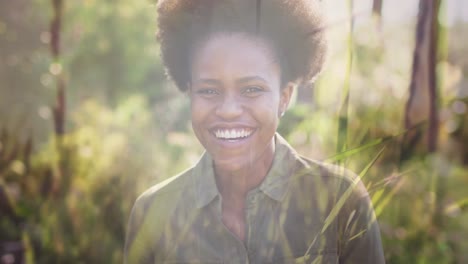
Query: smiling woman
{"points": [[251, 198], [236, 89]]}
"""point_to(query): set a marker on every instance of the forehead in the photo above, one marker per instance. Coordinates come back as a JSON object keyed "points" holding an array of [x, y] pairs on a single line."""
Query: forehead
{"points": [[234, 54]]}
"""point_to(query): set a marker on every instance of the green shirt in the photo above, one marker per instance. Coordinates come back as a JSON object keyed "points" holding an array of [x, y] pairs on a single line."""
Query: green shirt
{"points": [[303, 212]]}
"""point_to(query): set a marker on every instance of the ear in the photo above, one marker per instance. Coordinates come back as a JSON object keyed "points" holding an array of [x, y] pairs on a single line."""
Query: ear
{"points": [[285, 97]]}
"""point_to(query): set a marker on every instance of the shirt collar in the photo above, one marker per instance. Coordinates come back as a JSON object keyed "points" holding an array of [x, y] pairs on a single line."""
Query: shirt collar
{"points": [[274, 185], [205, 183]]}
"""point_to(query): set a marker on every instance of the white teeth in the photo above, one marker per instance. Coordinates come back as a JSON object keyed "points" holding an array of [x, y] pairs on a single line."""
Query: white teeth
{"points": [[232, 134]]}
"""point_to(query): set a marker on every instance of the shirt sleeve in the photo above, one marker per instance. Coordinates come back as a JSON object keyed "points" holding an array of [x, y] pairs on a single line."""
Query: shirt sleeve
{"points": [[137, 241], [360, 240]]}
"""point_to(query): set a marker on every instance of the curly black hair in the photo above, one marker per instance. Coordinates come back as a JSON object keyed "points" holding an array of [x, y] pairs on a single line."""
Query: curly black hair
{"points": [[293, 28]]}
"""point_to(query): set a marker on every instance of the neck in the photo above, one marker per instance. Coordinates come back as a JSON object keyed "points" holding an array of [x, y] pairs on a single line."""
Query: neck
{"points": [[234, 185]]}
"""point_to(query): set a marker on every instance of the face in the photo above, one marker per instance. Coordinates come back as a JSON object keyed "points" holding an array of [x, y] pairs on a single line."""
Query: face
{"points": [[236, 100]]}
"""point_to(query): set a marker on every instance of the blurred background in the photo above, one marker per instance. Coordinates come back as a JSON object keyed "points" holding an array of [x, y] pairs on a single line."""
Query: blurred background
{"points": [[88, 121]]}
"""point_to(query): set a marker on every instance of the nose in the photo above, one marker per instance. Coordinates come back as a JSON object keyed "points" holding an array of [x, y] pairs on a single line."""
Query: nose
{"points": [[229, 108]]}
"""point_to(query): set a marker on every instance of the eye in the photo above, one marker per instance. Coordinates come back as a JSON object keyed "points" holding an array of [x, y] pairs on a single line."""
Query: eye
{"points": [[252, 90], [207, 92]]}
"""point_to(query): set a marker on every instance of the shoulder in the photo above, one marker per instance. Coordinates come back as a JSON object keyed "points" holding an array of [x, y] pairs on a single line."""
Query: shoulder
{"points": [[313, 175], [150, 214], [167, 187], [304, 168], [342, 188], [327, 172], [161, 193]]}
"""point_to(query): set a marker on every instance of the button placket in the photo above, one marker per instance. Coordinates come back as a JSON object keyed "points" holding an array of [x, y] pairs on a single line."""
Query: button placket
{"points": [[251, 218]]}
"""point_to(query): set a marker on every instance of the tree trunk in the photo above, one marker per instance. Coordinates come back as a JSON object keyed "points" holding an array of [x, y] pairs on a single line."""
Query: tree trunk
{"points": [[377, 12], [421, 107]]}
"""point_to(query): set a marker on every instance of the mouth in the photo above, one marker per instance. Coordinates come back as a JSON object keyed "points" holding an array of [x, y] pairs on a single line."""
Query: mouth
{"points": [[233, 134]]}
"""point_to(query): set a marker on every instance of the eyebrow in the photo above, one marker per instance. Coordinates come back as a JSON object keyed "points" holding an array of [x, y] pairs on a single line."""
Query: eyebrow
{"points": [[208, 81], [250, 78], [240, 80]]}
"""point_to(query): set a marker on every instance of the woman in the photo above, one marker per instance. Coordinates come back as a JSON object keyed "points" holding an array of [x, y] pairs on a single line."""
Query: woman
{"points": [[251, 198]]}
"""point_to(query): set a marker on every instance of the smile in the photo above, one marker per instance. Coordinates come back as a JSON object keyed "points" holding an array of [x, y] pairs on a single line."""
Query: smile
{"points": [[232, 134]]}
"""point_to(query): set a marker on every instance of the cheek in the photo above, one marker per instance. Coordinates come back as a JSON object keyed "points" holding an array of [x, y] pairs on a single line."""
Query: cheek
{"points": [[200, 111], [268, 112], [195, 112]]}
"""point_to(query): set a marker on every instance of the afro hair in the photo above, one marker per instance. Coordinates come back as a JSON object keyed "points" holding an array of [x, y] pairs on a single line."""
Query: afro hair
{"points": [[293, 28]]}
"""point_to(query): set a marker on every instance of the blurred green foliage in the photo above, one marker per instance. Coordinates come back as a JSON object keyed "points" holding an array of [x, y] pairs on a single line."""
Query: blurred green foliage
{"points": [[67, 199]]}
